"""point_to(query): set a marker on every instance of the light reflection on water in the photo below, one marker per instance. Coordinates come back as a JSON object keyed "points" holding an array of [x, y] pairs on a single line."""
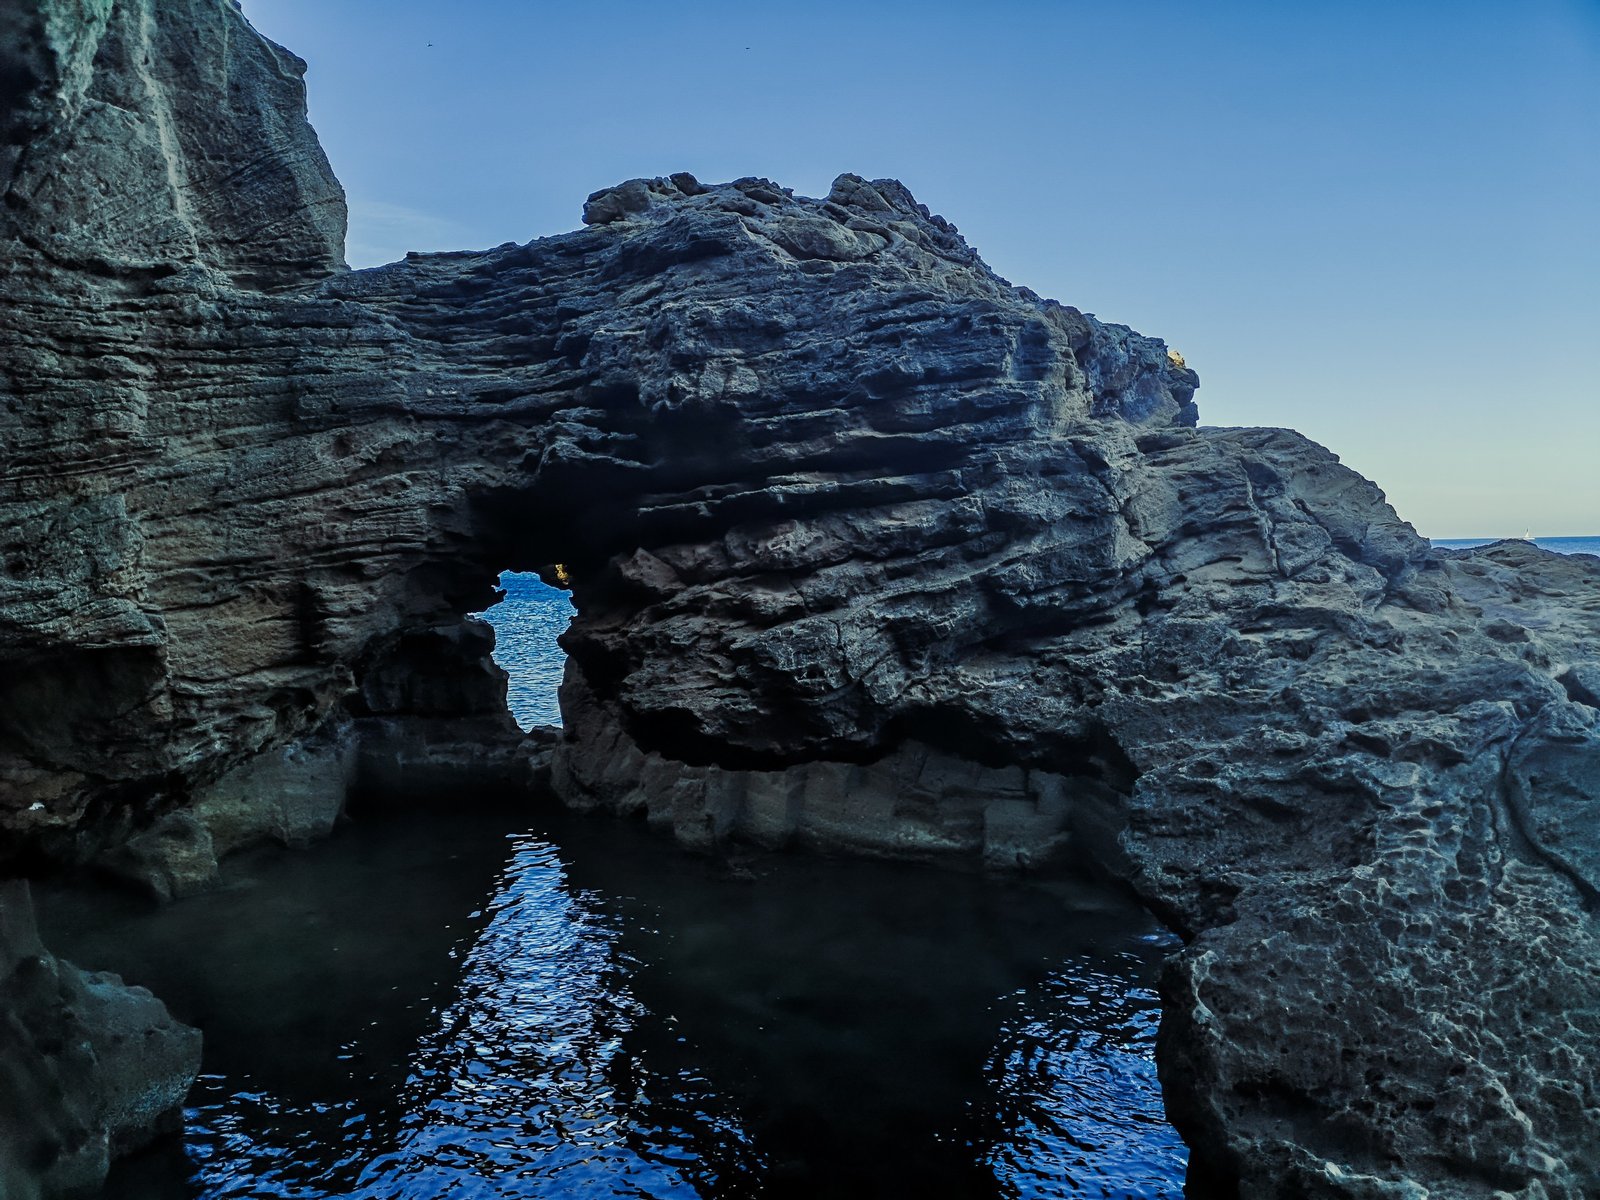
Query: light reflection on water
{"points": [[428, 1007]]}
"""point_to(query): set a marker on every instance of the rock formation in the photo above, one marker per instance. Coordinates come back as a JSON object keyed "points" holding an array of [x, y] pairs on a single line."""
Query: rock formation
{"points": [[870, 550], [89, 1068]]}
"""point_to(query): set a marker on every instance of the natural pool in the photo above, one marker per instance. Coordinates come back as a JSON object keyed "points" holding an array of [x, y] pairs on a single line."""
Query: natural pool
{"points": [[469, 1002]]}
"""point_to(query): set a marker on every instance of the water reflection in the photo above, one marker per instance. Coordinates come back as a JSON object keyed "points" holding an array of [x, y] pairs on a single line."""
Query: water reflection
{"points": [[427, 1007], [1072, 1072]]}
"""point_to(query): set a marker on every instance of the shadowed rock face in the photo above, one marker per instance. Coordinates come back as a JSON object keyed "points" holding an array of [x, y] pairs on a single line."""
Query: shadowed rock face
{"points": [[871, 550], [89, 1068]]}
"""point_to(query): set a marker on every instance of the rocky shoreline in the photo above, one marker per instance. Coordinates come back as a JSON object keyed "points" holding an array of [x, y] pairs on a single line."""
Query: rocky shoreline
{"points": [[870, 550], [92, 1068]]}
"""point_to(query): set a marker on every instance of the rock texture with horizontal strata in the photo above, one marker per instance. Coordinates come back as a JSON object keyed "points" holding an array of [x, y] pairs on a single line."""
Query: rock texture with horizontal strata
{"points": [[870, 550]]}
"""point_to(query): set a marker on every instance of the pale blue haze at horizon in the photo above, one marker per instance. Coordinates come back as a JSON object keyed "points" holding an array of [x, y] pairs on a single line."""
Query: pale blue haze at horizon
{"points": [[1376, 223]]}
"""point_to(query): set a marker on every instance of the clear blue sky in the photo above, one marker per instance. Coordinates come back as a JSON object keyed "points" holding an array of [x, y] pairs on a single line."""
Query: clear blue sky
{"points": [[1378, 223]]}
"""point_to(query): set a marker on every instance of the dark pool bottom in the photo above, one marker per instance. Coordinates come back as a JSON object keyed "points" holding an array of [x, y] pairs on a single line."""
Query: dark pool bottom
{"points": [[461, 1003]]}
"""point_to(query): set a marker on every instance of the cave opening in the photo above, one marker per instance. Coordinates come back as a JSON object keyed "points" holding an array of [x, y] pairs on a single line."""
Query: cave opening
{"points": [[458, 962], [528, 621]]}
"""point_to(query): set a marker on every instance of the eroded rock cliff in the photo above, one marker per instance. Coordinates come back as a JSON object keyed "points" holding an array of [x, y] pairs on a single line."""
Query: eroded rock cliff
{"points": [[870, 549]]}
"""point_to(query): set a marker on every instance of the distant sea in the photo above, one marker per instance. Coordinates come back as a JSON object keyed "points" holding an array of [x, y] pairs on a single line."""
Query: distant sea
{"points": [[1567, 545], [526, 625]]}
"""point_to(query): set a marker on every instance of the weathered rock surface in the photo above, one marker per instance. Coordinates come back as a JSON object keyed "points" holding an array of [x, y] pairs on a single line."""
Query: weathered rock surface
{"points": [[870, 549], [89, 1068], [143, 134]]}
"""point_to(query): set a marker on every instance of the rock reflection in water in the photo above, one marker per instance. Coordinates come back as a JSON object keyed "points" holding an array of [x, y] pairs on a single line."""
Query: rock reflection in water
{"points": [[426, 1007]]}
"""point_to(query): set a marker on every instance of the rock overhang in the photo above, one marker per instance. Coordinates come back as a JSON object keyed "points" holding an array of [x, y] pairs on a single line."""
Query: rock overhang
{"points": [[837, 499]]}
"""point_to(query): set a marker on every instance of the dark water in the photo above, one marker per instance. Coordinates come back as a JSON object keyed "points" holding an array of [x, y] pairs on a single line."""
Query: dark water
{"points": [[463, 1003], [1561, 545], [526, 625]]}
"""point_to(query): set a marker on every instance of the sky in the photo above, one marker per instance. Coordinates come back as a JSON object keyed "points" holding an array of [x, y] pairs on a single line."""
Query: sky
{"points": [[1376, 223]]}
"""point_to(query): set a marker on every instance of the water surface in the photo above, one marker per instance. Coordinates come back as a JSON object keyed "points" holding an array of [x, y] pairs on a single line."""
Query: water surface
{"points": [[526, 625], [459, 1002]]}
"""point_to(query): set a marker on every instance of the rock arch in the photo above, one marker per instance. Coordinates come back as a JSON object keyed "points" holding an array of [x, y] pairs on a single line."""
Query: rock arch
{"points": [[852, 522]]}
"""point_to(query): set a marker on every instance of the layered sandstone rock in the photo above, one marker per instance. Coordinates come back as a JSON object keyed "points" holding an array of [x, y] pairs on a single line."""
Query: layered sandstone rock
{"points": [[870, 550]]}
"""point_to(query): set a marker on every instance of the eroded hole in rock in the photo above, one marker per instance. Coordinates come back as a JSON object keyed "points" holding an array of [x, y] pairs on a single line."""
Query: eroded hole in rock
{"points": [[527, 624]]}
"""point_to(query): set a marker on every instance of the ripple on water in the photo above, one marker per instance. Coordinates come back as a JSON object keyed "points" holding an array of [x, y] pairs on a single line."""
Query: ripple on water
{"points": [[526, 625], [443, 1005]]}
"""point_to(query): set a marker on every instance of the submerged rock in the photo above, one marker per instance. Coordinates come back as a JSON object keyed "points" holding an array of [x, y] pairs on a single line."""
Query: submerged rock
{"points": [[870, 550], [89, 1067]]}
